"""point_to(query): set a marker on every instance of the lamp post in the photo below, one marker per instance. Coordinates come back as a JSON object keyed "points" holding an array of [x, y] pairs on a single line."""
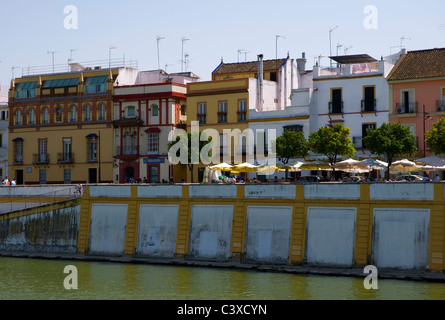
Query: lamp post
{"points": [[426, 116]]}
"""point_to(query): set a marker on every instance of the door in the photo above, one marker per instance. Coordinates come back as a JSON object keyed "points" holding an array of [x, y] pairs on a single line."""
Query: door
{"points": [[406, 101], [153, 174], [92, 175], [336, 101], [19, 177], [369, 99]]}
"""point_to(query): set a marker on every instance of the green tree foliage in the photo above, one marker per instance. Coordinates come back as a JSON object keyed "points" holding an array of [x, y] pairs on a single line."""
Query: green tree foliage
{"points": [[291, 144], [435, 138], [391, 140], [183, 144], [333, 142]]}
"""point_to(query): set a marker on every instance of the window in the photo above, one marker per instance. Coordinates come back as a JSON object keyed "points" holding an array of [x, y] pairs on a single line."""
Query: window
{"points": [[87, 113], [131, 111], [365, 128], [102, 112], [45, 116], [18, 118], [96, 84], [67, 148], [73, 114], [153, 143], [242, 111], [336, 104], [130, 143], [18, 159], [43, 151], [59, 114], [153, 174], [154, 110], [222, 112], [4, 115], [1, 140], [183, 110], [369, 101], [32, 117], [92, 149], [407, 103], [26, 90], [273, 76], [295, 127], [202, 113]]}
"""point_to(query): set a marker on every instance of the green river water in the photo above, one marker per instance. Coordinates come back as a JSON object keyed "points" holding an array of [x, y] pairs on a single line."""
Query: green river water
{"points": [[40, 279]]}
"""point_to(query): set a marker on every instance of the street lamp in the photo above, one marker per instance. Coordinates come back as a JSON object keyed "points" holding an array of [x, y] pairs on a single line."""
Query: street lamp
{"points": [[426, 116]]}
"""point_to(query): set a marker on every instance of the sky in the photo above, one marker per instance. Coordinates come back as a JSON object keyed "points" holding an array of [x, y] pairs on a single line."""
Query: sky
{"points": [[35, 31]]}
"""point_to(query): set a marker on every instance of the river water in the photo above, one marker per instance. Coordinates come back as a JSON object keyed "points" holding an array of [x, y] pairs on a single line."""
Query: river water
{"points": [[40, 279]]}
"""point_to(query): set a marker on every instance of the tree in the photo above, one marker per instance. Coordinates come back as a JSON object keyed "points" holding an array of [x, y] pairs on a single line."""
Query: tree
{"points": [[435, 138], [391, 140], [184, 143], [333, 142], [291, 144]]}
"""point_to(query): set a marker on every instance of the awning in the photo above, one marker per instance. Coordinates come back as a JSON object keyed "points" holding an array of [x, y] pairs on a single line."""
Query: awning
{"points": [[153, 130], [17, 139], [26, 86], [61, 83], [96, 80], [353, 59], [91, 136]]}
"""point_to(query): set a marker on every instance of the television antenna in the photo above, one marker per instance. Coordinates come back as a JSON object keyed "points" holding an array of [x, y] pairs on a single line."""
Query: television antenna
{"points": [[13, 68], [240, 51], [109, 55], [347, 49], [330, 41], [182, 53], [403, 38], [70, 60], [52, 53], [276, 44], [158, 39]]}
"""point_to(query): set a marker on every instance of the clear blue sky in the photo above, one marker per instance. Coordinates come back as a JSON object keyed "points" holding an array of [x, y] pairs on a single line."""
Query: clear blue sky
{"points": [[216, 29]]}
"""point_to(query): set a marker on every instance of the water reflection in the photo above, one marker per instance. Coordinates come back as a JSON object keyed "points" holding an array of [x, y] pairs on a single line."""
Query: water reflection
{"points": [[43, 279]]}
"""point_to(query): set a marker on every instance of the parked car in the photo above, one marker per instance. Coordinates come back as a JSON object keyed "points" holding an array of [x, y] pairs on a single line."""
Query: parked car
{"points": [[356, 179], [312, 179], [408, 177]]}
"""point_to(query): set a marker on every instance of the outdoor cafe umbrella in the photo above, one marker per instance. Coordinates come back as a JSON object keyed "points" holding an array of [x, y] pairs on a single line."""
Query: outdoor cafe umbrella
{"points": [[315, 165], [432, 161], [374, 164], [351, 165], [222, 166], [404, 165], [245, 167]]}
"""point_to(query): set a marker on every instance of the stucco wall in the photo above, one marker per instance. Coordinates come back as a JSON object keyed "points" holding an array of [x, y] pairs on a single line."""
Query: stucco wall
{"points": [[52, 231]]}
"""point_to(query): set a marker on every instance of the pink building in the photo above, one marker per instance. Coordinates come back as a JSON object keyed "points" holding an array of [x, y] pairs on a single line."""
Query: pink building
{"points": [[417, 92]]}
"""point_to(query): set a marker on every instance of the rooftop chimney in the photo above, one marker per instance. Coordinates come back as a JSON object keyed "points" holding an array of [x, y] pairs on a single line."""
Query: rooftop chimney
{"points": [[301, 63]]}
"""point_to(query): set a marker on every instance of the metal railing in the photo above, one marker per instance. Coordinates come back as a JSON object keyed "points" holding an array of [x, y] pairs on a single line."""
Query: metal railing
{"points": [[336, 107], [369, 106], [402, 108], [19, 202]]}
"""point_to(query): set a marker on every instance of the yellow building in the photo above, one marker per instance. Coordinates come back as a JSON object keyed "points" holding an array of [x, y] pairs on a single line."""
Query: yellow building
{"points": [[219, 105], [60, 128]]}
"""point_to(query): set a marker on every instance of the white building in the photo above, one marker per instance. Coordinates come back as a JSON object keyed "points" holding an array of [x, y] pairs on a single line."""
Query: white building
{"points": [[354, 93], [3, 131]]}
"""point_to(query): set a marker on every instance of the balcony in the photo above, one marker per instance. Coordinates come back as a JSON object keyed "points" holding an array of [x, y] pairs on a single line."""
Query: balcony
{"points": [[369, 105], [440, 105], [126, 151], [18, 159], [65, 158], [40, 158], [406, 108], [336, 107]]}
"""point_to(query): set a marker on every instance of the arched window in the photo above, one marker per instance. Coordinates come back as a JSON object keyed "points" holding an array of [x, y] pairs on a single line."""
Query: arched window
{"points": [[73, 114], [18, 118], [87, 113], [59, 114], [32, 117], [45, 116], [102, 112]]}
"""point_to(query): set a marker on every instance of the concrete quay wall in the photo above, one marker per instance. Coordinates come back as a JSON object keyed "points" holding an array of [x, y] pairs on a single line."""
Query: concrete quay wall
{"points": [[389, 225]]}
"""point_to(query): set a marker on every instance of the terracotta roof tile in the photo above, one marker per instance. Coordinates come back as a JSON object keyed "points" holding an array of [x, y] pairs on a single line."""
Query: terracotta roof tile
{"points": [[419, 65], [227, 68]]}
